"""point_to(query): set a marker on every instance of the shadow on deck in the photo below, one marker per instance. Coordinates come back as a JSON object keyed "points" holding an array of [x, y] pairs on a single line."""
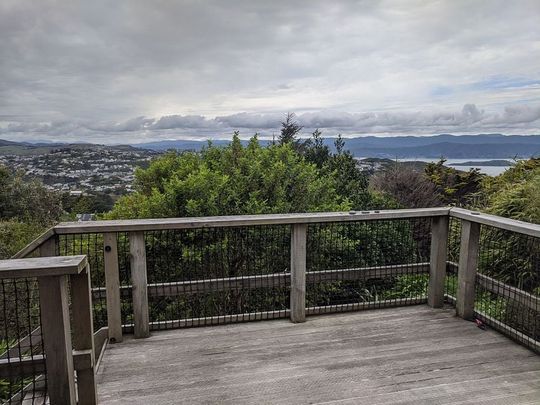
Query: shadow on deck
{"points": [[408, 355]]}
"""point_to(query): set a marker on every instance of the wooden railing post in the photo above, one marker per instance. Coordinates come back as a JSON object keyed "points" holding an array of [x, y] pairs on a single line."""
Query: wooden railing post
{"points": [[437, 262], [112, 283], [137, 250], [48, 248], [468, 263], [298, 272], [56, 331], [53, 298], [83, 335]]}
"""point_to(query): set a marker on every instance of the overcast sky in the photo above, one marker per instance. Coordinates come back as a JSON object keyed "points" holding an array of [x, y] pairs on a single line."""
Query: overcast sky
{"points": [[133, 71]]}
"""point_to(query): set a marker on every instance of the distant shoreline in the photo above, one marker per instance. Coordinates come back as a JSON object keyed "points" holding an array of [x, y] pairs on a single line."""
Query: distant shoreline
{"points": [[493, 163]]}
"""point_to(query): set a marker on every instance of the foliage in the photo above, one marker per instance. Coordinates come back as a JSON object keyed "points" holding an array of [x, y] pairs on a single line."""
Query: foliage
{"points": [[515, 193], [230, 180], [288, 177], [290, 128], [316, 151], [27, 201], [455, 187], [408, 286], [15, 235], [507, 256], [26, 208], [410, 188], [87, 204], [351, 181]]}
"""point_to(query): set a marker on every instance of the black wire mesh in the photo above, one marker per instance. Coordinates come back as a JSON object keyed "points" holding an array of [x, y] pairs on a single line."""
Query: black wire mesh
{"points": [[124, 267], [210, 276], [508, 284], [217, 275], [454, 240], [21, 338], [367, 264], [91, 245]]}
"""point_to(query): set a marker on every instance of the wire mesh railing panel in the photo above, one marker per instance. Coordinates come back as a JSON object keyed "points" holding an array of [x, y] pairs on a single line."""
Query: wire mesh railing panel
{"points": [[217, 275], [454, 240], [508, 283], [370, 263], [124, 269], [21, 341], [91, 245]]}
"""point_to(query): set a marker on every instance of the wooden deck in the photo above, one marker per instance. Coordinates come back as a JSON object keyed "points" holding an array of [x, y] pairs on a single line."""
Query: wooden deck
{"points": [[409, 355]]}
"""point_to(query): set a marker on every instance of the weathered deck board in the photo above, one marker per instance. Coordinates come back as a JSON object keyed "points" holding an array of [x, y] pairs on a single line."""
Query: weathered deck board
{"points": [[408, 355]]}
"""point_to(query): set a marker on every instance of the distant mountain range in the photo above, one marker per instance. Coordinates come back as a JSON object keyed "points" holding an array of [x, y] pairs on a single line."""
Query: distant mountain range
{"points": [[492, 146], [489, 146]]}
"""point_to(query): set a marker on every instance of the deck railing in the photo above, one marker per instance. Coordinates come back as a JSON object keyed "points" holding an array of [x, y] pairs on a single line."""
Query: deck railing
{"points": [[54, 349], [497, 277], [157, 274]]}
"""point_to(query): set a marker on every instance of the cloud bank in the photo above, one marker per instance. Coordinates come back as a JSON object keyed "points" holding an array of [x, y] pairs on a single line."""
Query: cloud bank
{"points": [[513, 119], [120, 71]]}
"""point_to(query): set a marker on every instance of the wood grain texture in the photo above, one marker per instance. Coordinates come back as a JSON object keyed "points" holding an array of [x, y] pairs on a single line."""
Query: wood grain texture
{"points": [[137, 250], [298, 272], [83, 335], [112, 282], [22, 366], [513, 225], [55, 326], [285, 313], [468, 263], [243, 220], [409, 355], [42, 266], [48, 247], [439, 253]]}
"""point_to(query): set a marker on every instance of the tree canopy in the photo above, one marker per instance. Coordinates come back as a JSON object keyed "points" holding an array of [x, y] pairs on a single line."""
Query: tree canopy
{"points": [[232, 180], [515, 193], [27, 201], [26, 207]]}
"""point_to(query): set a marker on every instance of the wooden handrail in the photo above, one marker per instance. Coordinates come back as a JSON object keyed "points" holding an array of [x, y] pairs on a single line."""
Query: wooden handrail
{"points": [[42, 266], [53, 275], [495, 221], [298, 221], [135, 225], [274, 219]]}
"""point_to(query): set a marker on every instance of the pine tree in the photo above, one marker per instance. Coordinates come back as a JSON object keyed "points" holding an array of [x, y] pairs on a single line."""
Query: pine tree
{"points": [[289, 129]]}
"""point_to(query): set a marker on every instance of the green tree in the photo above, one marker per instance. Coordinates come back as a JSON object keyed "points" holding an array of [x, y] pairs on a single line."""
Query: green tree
{"points": [[27, 200], [455, 187], [410, 188], [26, 209], [316, 151], [230, 180], [87, 204], [339, 143], [515, 193], [290, 128]]}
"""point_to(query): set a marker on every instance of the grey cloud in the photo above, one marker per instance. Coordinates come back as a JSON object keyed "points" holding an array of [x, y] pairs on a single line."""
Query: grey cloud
{"points": [[203, 68], [247, 120], [519, 114], [515, 119], [179, 121]]}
